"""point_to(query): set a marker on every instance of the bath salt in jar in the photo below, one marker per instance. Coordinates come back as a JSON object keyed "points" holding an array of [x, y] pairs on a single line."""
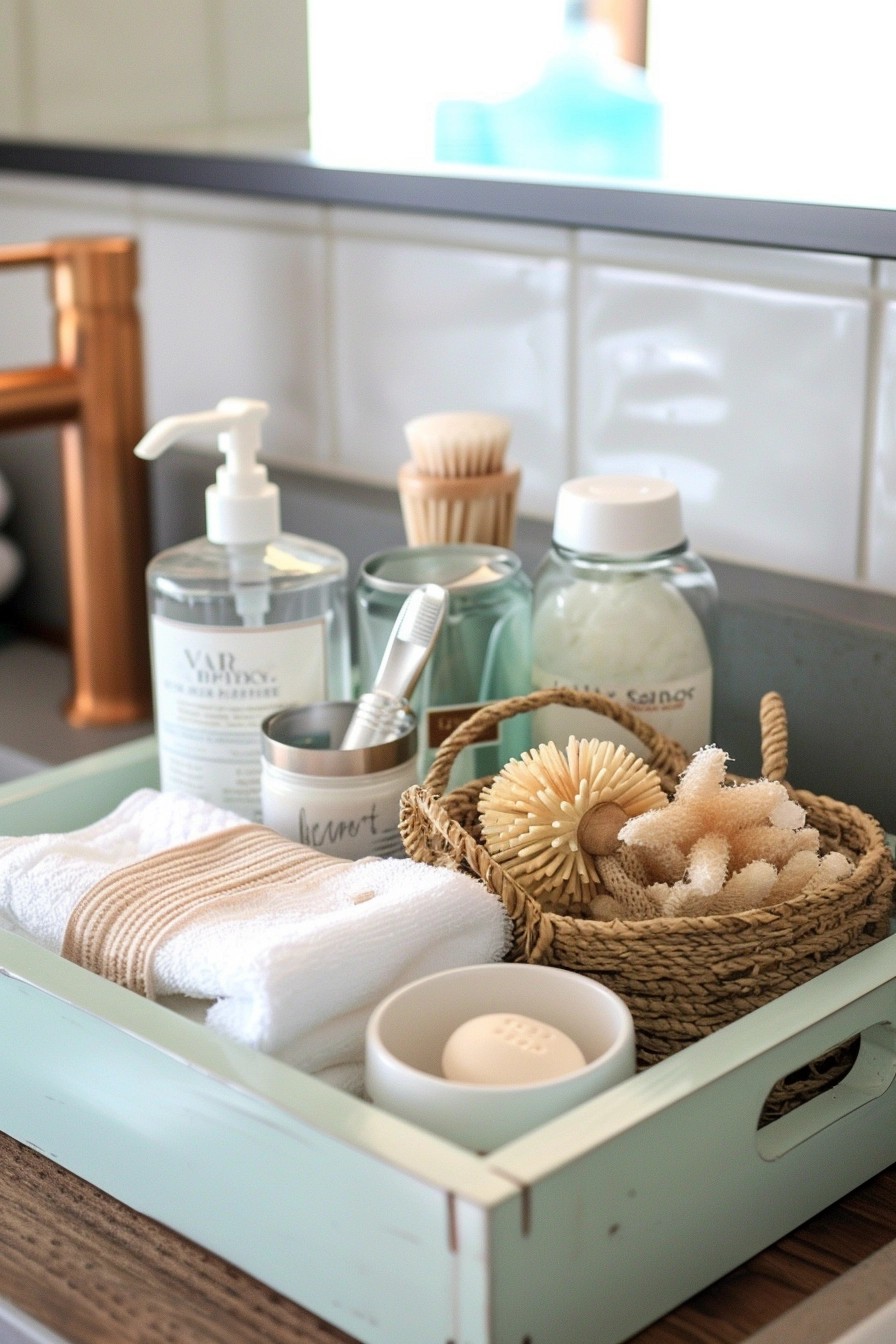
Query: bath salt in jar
{"points": [[624, 608]]}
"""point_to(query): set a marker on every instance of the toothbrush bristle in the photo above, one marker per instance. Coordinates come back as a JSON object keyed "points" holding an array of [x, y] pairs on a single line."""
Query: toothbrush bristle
{"points": [[420, 618]]}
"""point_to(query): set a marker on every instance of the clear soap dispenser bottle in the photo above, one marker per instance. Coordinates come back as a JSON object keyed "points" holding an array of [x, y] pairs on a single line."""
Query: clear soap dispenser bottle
{"points": [[243, 621]]}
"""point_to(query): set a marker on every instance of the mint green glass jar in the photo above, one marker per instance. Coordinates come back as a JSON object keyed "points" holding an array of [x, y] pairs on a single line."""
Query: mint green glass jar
{"points": [[483, 653]]}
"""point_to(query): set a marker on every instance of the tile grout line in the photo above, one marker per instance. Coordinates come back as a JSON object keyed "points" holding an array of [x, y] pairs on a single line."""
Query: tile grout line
{"points": [[332, 439], [873, 365], [573, 360], [758, 279]]}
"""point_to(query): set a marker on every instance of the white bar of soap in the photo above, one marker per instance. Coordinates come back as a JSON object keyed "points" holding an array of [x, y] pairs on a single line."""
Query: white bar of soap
{"points": [[508, 1048]]}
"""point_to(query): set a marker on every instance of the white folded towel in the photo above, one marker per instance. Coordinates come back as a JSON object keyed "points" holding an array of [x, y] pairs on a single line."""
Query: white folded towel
{"points": [[297, 976]]}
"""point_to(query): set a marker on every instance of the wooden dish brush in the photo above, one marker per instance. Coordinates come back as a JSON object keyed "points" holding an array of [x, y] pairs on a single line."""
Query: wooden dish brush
{"points": [[547, 817]]}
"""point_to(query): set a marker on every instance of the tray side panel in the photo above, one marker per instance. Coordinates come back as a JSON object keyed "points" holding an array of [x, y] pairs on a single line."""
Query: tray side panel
{"points": [[74, 795], [656, 1211], [368, 1247], [369, 1222]]}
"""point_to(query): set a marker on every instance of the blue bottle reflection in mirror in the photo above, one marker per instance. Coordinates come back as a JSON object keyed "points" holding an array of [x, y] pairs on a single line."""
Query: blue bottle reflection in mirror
{"points": [[589, 114]]}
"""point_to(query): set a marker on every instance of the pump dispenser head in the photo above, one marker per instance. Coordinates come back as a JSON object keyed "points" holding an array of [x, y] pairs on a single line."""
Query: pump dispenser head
{"points": [[242, 508]]}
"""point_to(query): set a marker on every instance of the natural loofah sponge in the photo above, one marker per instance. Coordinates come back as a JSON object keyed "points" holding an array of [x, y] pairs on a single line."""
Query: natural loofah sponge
{"points": [[721, 848], [546, 815]]}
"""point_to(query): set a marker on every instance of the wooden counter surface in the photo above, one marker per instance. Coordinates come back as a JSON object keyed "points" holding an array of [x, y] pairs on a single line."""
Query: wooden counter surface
{"points": [[97, 1273]]}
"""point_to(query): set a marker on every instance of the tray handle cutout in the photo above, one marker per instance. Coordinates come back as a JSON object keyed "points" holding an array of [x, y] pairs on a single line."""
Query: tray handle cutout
{"points": [[873, 1071]]}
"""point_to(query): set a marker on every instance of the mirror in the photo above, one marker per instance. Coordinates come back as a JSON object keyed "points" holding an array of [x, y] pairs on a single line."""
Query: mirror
{"points": [[512, 107]]}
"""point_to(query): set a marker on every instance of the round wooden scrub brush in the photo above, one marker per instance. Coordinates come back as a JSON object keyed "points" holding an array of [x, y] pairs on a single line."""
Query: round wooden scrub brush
{"points": [[457, 487], [547, 816]]}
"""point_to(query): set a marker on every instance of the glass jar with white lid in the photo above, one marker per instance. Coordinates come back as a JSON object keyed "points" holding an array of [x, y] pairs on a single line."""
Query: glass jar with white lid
{"points": [[623, 607]]}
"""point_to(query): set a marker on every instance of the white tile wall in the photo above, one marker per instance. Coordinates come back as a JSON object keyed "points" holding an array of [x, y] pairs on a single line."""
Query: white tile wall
{"points": [[750, 396], [750, 375], [32, 210], [485, 235], [234, 304], [693, 257], [422, 327]]}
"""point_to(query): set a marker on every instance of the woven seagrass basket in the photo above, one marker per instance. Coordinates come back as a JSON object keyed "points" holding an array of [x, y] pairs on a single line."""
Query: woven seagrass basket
{"points": [[682, 977]]}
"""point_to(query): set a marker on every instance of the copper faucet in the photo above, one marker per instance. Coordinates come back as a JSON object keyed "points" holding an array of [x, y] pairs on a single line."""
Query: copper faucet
{"points": [[95, 392]]}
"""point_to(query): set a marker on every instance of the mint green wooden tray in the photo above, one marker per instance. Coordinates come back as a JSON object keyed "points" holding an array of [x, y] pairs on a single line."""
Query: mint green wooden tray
{"points": [[589, 1227]]}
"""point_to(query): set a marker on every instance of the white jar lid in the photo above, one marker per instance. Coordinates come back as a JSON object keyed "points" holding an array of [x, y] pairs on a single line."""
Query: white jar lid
{"points": [[618, 515]]}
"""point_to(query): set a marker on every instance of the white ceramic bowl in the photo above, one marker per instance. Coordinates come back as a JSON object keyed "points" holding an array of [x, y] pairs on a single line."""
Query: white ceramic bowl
{"points": [[406, 1035]]}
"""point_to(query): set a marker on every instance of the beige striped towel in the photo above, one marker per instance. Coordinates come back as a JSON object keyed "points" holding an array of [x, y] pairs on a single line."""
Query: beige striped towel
{"points": [[265, 941]]}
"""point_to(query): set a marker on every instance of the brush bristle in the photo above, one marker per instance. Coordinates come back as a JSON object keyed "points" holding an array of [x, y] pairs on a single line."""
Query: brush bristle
{"points": [[422, 616], [531, 813], [458, 443]]}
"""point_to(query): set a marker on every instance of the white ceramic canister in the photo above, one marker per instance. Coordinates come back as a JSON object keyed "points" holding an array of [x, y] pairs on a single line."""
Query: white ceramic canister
{"points": [[343, 803]]}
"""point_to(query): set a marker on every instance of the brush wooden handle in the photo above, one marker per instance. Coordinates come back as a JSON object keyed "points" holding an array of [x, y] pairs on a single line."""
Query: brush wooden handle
{"points": [[449, 509], [418, 485]]}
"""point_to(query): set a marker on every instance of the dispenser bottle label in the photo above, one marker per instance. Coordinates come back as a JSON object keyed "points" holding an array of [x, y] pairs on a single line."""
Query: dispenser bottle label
{"points": [[214, 685]]}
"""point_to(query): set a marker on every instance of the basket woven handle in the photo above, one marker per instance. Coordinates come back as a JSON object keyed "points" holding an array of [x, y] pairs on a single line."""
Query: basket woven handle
{"points": [[773, 729], [666, 756]]}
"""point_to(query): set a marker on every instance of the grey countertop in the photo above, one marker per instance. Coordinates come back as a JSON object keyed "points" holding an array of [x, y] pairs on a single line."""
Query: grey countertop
{"points": [[35, 681]]}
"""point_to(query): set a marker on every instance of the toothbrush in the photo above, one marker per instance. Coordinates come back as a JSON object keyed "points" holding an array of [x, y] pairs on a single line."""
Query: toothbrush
{"points": [[379, 711]]}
